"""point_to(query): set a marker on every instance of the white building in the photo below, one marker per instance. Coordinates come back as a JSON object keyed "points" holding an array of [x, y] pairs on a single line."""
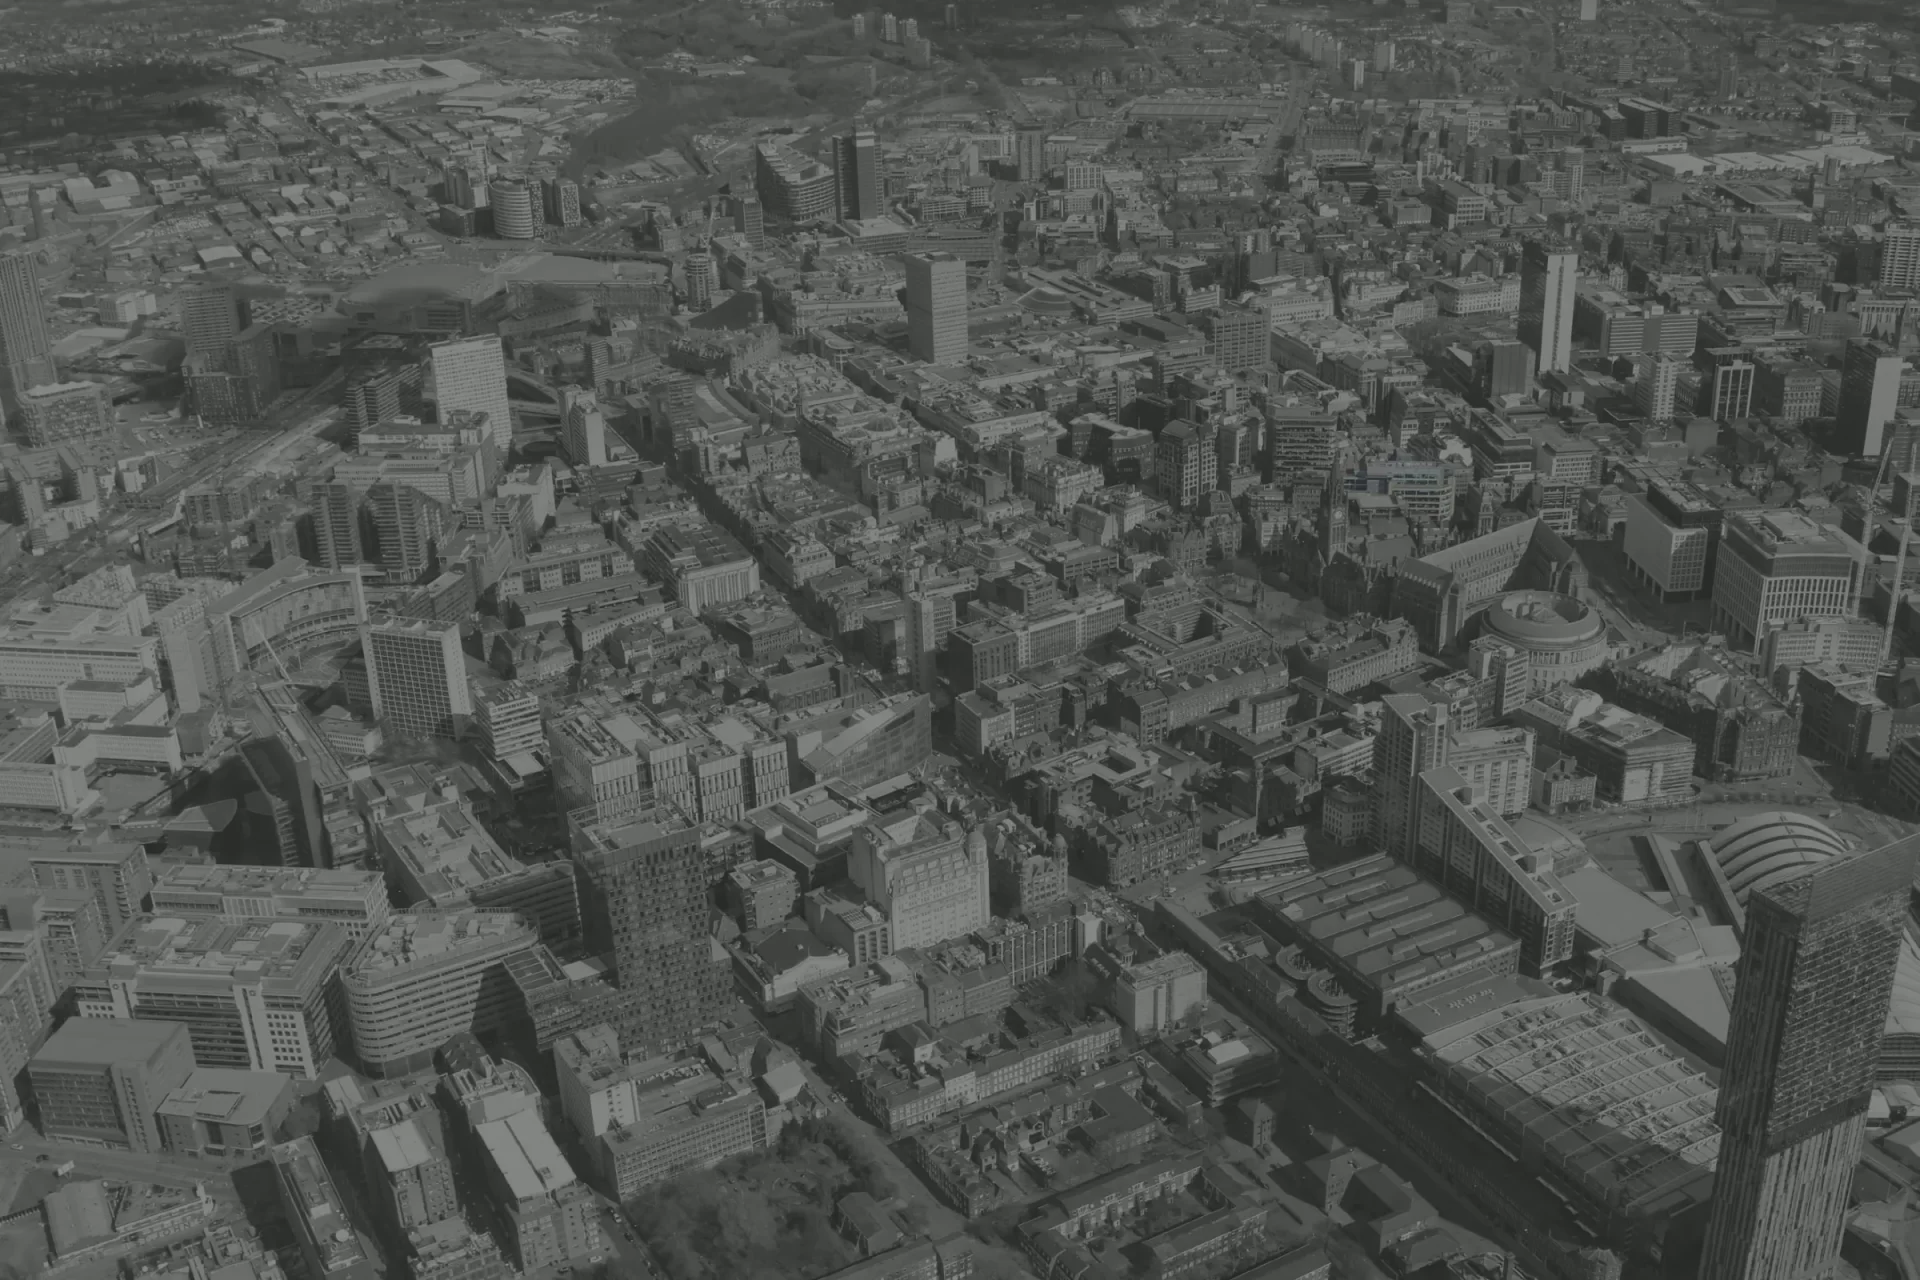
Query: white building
{"points": [[471, 374]]}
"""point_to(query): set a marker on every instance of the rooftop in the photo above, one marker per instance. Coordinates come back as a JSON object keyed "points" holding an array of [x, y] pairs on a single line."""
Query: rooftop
{"points": [[420, 939]]}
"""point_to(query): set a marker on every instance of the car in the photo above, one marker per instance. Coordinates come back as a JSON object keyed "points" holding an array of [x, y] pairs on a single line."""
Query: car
{"points": [[598, 1257]]}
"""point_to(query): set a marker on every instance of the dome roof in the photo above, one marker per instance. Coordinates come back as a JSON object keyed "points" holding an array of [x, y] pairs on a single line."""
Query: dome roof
{"points": [[1769, 848], [1543, 619], [1046, 302], [1903, 1008]]}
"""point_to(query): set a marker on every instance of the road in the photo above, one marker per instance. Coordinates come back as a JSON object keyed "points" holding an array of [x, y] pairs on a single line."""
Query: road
{"points": [[126, 1166]]}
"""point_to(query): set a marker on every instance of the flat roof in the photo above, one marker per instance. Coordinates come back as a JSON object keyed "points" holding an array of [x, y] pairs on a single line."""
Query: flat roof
{"points": [[105, 1041], [526, 1155]]}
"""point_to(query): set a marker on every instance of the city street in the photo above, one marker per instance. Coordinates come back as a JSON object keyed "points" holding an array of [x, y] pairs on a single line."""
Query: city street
{"points": [[123, 1166]]}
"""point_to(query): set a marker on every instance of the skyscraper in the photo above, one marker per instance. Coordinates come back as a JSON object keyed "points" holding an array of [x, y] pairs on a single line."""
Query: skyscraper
{"points": [[1411, 739], [936, 307], [417, 676], [211, 317], [856, 173], [1803, 1045], [650, 910], [1869, 393], [749, 219], [1547, 278], [471, 374], [26, 352], [1030, 152], [516, 209]]}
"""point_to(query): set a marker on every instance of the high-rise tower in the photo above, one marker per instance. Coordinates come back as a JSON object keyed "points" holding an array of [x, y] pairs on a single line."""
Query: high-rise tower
{"points": [[26, 352], [936, 307], [1809, 1011], [211, 317], [417, 675], [1547, 278], [471, 374], [856, 173], [649, 909]]}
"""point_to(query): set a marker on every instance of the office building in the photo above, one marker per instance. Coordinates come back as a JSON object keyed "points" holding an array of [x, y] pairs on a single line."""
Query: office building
{"points": [[58, 413], [1417, 734], [340, 531], [700, 280], [471, 374], [1030, 153], [645, 1120], [1655, 384], [858, 184], [548, 1214], [257, 994], [1548, 276], [649, 908], [1900, 257], [1186, 465], [1810, 1004], [71, 935], [562, 199], [99, 1080], [410, 1173], [1726, 384], [936, 308], [761, 893], [408, 527], [506, 721], [26, 350], [1477, 857], [1869, 393], [225, 1114], [926, 874], [315, 1210], [1238, 338], [794, 187], [355, 900], [594, 771], [516, 208], [33, 978], [1502, 369], [34, 663], [300, 811], [749, 219], [705, 566], [417, 677], [116, 876], [1778, 566], [1672, 539], [428, 975]]}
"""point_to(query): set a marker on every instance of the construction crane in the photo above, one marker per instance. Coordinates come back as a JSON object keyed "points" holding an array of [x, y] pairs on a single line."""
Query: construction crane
{"points": [[1899, 559]]}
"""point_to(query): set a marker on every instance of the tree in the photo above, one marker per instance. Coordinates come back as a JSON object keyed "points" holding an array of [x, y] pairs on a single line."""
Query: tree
{"points": [[1599, 1264]]}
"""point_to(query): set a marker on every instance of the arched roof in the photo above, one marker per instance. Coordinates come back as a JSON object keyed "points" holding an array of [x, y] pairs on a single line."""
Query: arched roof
{"points": [[1903, 1010], [1768, 848]]}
